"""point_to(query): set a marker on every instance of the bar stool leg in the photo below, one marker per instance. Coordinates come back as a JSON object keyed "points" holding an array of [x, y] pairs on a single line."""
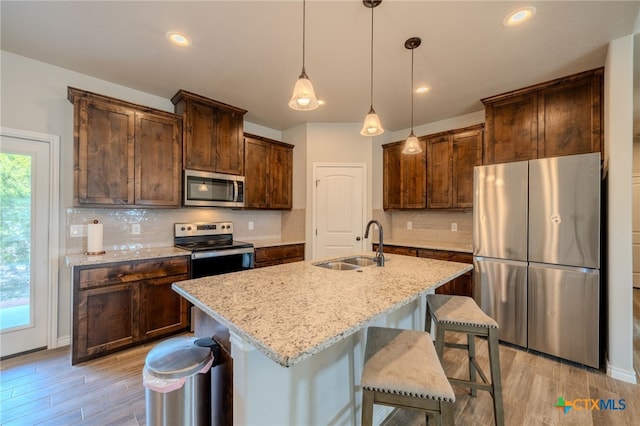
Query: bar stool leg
{"points": [[367, 407], [496, 381], [440, 343], [471, 343]]}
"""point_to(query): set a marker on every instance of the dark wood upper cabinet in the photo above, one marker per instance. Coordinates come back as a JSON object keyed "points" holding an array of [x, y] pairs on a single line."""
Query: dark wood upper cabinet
{"points": [[404, 177], [555, 118], [124, 154], [268, 173], [451, 157], [439, 171], [212, 135], [467, 153]]}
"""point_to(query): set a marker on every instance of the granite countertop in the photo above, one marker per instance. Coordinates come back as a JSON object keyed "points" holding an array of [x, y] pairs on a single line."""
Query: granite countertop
{"points": [[125, 256], [433, 245], [290, 312]]}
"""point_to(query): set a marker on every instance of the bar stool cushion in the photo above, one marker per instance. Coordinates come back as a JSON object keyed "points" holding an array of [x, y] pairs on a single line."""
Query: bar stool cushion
{"points": [[458, 310], [404, 362]]}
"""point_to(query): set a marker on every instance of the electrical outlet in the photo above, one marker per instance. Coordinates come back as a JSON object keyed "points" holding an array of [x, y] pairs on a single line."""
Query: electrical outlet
{"points": [[454, 227], [135, 228], [409, 225], [77, 231], [250, 226]]}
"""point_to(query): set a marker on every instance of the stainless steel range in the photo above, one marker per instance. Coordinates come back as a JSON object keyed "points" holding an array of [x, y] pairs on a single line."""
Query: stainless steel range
{"points": [[213, 249]]}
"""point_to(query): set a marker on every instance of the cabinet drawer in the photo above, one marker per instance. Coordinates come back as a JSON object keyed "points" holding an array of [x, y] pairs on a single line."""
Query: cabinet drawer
{"points": [[269, 254], [120, 273]]}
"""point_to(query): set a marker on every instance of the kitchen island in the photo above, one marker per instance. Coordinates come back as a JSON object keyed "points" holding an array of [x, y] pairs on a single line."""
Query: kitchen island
{"points": [[297, 331]]}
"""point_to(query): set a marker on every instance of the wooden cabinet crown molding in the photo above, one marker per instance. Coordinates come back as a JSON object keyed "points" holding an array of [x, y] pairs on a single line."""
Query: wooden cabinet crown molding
{"points": [[182, 94]]}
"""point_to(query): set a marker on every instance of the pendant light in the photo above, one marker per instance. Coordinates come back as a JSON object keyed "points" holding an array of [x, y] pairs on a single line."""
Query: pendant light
{"points": [[304, 97], [372, 125], [411, 146]]}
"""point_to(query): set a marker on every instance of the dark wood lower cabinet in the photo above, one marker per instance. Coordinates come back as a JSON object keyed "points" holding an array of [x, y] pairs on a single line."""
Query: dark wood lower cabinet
{"points": [[461, 286], [277, 255], [118, 305]]}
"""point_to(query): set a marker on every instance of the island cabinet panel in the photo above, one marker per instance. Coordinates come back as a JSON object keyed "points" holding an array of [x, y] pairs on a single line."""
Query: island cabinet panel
{"points": [[277, 255], [118, 305], [404, 177], [268, 173], [124, 154], [555, 118], [212, 134]]}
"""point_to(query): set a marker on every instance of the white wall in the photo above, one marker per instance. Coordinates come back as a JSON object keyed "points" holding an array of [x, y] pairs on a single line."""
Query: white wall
{"points": [[618, 168]]}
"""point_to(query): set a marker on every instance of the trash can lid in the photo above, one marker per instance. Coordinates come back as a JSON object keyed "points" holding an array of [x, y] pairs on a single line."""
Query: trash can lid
{"points": [[177, 357]]}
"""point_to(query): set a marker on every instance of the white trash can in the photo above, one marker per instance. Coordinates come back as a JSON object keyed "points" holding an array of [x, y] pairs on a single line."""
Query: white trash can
{"points": [[177, 379]]}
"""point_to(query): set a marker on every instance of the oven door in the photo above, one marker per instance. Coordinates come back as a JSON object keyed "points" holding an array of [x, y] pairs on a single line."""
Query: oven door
{"points": [[216, 262]]}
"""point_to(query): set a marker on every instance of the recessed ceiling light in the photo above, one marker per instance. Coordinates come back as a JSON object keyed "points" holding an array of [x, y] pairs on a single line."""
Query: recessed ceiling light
{"points": [[423, 89], [178, 39], [519, 16]]}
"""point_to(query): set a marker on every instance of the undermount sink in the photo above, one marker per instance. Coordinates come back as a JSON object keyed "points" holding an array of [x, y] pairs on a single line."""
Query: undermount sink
{"points": [[338, 266], [348, 264], [359, 261]]}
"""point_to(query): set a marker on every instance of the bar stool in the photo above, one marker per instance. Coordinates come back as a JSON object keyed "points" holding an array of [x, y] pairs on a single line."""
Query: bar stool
{"points": [[402, 369], [462, 314]]}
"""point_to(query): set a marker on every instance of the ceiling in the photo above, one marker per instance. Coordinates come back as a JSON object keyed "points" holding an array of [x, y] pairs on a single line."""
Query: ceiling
{"points": [[249, 53]]}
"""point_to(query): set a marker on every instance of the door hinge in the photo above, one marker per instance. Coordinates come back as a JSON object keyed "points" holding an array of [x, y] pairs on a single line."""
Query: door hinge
{"points": [[316, 231], [317, 182]]}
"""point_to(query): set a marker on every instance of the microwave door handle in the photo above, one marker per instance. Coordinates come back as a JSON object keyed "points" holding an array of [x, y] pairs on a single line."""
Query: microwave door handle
{"points": [[235, 190]]}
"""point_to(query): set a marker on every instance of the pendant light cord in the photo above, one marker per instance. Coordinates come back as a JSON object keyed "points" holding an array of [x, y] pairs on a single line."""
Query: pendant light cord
{"points": [[304, 15], [412, 89], [371, 92]]}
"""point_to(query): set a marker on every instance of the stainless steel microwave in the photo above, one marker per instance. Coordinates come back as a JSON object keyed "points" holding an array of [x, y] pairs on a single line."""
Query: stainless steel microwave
{"points": [[206, 189]]}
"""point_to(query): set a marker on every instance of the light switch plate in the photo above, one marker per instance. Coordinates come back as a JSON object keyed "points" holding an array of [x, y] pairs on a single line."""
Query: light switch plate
{"points": [[135, 228], [454, 227], [409, 225], [250, 226]]}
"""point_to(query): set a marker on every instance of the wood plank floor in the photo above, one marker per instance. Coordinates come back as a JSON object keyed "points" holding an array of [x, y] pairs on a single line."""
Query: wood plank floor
{"points": [[43, 388]]}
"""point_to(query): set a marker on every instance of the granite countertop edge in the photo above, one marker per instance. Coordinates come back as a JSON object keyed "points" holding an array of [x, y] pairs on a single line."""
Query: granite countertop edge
{"points": [[82, 259]]}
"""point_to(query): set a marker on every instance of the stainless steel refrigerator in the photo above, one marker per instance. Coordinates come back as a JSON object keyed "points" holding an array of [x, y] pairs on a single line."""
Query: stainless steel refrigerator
{"points": [[536, 231]]}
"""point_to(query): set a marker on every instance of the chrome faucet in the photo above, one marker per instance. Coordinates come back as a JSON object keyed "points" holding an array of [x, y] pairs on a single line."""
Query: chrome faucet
{"points": [[379, 259]]}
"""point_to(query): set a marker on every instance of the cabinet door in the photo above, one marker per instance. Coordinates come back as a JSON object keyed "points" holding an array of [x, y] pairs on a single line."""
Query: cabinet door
{"points": [[229, 153], [511, 129], [162, 310], [256, 179], [439, 168], [104, 153], [414, 178], [107, 319], [199, 136], [466, 153], [280, 177], [158, 154], [392, 177], [570, 118]]}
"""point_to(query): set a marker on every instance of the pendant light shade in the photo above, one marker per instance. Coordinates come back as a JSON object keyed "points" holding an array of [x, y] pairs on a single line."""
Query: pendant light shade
{"points": [[304, 97], [411, 146], [372, 125]]}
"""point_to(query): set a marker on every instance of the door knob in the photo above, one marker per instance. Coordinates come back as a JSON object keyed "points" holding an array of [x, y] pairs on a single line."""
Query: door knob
{"points": [[358, 238]]}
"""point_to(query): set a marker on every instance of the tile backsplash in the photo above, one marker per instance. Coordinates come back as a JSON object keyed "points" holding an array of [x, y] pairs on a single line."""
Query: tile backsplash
{"points": [[428, 225], [156, 225]]}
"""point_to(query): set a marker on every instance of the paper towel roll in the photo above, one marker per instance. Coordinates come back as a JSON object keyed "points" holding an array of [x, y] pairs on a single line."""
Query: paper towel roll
{"points": [[94, 238]]}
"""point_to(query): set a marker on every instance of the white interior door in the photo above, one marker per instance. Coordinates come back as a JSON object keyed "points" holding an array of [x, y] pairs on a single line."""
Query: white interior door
{"points": [[25, 244], [636, 230], [339, 209]]}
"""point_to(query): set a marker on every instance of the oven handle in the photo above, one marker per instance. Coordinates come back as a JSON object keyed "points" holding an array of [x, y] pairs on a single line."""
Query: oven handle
{"points": [[220, 253]]}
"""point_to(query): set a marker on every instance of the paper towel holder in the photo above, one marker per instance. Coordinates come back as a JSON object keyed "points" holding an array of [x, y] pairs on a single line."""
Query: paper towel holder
{"points": [[94, 253]]}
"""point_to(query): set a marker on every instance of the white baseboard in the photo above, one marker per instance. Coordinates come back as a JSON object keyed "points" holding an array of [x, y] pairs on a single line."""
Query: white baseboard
{"points": [[628, 376], [63, 341]]}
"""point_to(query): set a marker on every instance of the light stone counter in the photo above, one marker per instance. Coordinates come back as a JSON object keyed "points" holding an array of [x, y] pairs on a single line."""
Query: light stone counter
{"points": [[125, 256], [293, 311]]}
